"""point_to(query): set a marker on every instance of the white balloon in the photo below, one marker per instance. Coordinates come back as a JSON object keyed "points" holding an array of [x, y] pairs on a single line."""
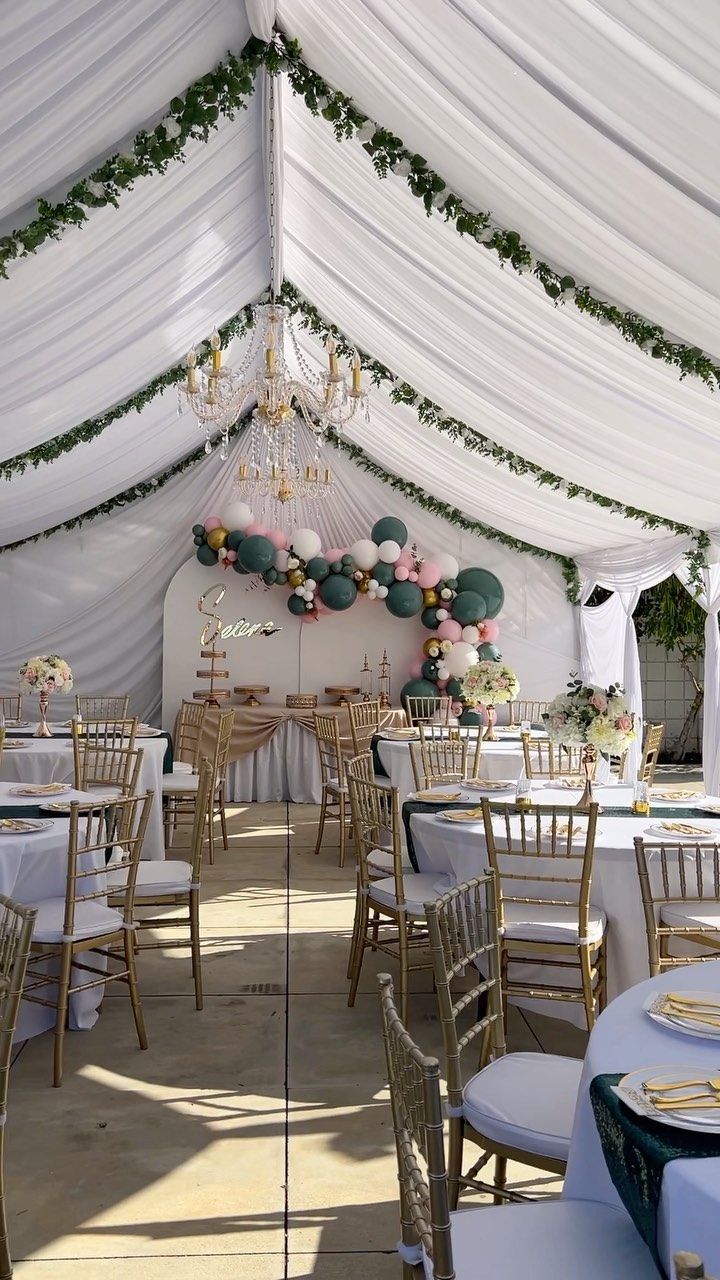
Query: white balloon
{"points": [[471, 634], [311, 584], [373, 585], [281, 561], [222, 552], [389, 551], [448, 565], [306, 543], [461, 658], [443, 673], [364, 554], [442, 615], [299, 591], [293, 562], [381, 593], [307, 595], [372, 595], [237, 515]]}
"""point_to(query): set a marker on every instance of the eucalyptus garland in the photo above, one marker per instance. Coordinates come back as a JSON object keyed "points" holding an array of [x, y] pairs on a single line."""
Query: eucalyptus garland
{"points": [[390, 155], [430, 414], [222, 92], [91, 428]]}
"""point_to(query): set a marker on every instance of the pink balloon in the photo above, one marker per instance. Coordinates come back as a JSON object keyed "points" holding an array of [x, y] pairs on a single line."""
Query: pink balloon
{"points": [[256, 529], [415, 670], [450, 630], [489, 631], [335, 553], [412, 576], [231, 555], [278, 538], [402, 573], [213, 522], [405, 559], [429, 575], [456, 708], [309, 617], [442, 684]]}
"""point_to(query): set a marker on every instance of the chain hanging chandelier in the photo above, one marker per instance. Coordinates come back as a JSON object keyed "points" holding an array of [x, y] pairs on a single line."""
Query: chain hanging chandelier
{"points": [[287, 403]]}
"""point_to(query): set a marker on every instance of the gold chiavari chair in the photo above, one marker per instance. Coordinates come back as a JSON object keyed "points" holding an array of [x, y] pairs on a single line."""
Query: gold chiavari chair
{"points": [[16, 927], [431, 710], [680, 890], [542, 860], [106, 733], [436, 760], [71, 929], [11, 706], [390, 910], [101, 706], [364, 723], [175, 884], [545, 759], [654, 734], [689, 1266], [538, 1090], [179, 790], [114, 769], [335, 803], [532, 709], [380, 861], [189, 726]]}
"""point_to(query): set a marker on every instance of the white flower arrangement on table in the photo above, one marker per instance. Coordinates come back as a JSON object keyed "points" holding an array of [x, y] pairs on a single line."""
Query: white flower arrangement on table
{"points": [[590, 714], [49, 674], [490, 682]]}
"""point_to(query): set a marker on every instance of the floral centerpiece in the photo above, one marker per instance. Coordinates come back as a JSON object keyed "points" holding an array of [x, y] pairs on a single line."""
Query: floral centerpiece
{"points": [[45, 675], [489, 683], [597, 719]]}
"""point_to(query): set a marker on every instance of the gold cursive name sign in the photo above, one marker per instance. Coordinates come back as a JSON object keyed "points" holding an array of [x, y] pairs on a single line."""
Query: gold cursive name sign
{"points": [[240, 628]]}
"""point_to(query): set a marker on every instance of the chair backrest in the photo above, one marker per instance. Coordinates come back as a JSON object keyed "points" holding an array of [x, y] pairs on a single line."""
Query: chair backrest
{"points": [[112, 830], [541, 846], [432, 710], [189, 726], [16, 927], [654, 734], [360, 767], [438, 760], [110, 766], [689, 1266], [545, 759], [463, 929], [376, 823], [674, 874], [223, 742], [200, 818], [327, 732], [418, 1124], [532, 709], [102, 706], [11, 706], [364, 723], [106, 733]]}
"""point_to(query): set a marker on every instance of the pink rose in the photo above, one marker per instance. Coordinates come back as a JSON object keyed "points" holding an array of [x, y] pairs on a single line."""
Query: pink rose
{"points": [[599, 702], [558, 722], [624, 723]]}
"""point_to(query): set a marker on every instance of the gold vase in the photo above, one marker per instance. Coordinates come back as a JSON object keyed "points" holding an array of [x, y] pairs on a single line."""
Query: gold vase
{"points": [[43, 730], [589, 765], [491, 714]]}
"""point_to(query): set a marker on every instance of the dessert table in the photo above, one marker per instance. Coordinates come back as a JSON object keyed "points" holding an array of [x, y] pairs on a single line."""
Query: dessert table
{"points": [[51, 760], [624, 1039], [459, 851]]}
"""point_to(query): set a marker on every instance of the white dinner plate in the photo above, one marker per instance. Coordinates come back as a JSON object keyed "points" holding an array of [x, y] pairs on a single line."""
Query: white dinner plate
{"points": [[489, 785], [630, 1089], [460, 815], [147, 731], [400, 735], [17, 724], [653, 1006], [709, 806], [435, 797], [663, 831], [42, 789], [23, 826], [12, 744]]}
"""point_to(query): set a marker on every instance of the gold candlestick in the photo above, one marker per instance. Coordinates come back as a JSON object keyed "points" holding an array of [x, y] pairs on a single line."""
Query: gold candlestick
{"points": [[366, 680], [384, 680], [43, 730]]}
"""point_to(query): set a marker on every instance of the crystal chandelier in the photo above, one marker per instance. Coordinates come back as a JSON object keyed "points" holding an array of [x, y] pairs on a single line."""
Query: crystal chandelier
{"points": [[287, 402]]}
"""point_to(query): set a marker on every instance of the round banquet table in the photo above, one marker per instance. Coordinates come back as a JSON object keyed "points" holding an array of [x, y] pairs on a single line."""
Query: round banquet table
{"points": [[623, 1039], [502, 759], [33, 867], [51, 760], [459, 851]]}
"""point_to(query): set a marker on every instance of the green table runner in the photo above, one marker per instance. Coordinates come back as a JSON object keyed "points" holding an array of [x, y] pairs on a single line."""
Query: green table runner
{"points": [[636, 1151], [22, 811], [378, 766], [67, 733]]}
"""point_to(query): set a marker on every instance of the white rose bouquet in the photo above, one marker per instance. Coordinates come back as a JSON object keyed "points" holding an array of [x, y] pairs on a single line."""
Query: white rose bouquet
{"points": [[490, 682], [589, 714], [46, 675]]}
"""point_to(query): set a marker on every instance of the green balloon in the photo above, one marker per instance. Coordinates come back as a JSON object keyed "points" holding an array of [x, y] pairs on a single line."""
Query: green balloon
{"points": [[198, 530], [453, 688], [281, 579], [270, 577], [469, 717], [404, 599], [317, 568], [451, 583], [239, 567], [429, 669], [417, 689], [346, 559], [389, 529], [429, 619], [206, 555], [384, 574], [256, 553], [489, 653], [348, 570], [468, 607], [296, 605], [338, 592], [336, 566], [198, 540], [234, 539], [487, 585]]}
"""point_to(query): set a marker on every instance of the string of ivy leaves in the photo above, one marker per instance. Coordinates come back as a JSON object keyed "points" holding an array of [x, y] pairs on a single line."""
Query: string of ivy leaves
{"points": [[192, 115], [390, 155]]}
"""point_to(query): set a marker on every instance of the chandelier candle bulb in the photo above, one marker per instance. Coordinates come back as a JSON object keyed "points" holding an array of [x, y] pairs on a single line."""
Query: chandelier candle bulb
{"points": [[191, 361], [356, 374], [332, 357]]}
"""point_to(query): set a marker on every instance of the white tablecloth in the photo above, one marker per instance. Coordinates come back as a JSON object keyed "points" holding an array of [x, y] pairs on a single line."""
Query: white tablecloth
{"points": [[51, 760], [33, 867], [285, 768], [503, 759], [459, 851], [624, 1039]]}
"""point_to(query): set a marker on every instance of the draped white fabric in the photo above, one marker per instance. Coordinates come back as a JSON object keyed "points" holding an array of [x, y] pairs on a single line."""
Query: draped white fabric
{"points": [[709, 600]]}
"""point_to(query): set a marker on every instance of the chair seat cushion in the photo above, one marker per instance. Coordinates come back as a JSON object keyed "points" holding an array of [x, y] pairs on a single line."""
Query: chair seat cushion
{"points": [[174, 783], [419, 889], [382, 860], [692, 914], [156, 878], [538, 922], [526, 1101], [181, 766], [92, 919], [558, 1238]]}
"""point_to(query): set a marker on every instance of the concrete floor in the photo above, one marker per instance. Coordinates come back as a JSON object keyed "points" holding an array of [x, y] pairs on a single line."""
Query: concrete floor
{"points": [[252, 1139]]}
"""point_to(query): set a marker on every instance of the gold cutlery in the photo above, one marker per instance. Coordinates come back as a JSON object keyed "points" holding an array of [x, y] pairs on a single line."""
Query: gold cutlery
{"points": [[676, 1104], [660, 1099], [712, 1083], [679, 997]]}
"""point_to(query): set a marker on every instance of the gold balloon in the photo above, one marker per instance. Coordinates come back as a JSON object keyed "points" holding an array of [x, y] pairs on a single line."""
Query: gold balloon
{"points": [[217, 538], [363, 586], [433, 643], [430, 597], [296, 577]]}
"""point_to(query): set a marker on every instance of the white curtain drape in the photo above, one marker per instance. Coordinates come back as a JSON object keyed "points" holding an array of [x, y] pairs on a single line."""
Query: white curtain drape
{"points": [[261, 16], [709, 600]]}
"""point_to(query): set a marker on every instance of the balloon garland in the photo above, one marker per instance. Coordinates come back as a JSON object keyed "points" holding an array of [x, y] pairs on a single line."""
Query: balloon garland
{"points": [[459, 606]]}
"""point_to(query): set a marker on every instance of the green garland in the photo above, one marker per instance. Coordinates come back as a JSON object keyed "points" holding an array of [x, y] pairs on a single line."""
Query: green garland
{"points": [[430, 414], [221, 92], [93, 427], [141, 490], [390, 155], [453, 515]]}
